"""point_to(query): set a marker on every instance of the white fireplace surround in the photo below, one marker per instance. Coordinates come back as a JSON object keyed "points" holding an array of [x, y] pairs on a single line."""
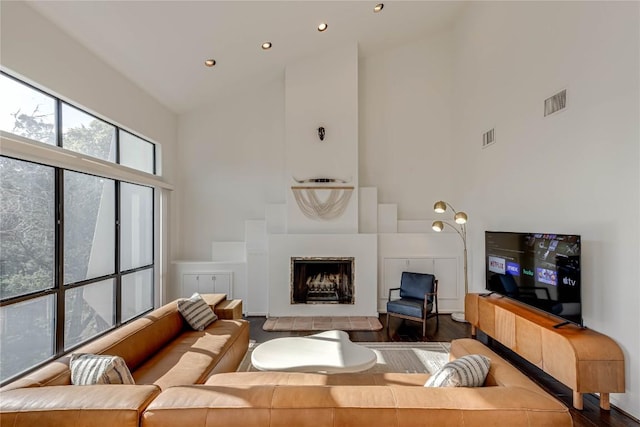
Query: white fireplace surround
{"points": [[362, 247]]}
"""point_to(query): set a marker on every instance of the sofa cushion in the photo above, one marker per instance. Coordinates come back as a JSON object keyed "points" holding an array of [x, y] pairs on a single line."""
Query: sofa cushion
{"points": [[342, 405], [391, 379], [408, 307], [88, 369], [69, 405], [467, 371], [191, 357], [196, 312]]}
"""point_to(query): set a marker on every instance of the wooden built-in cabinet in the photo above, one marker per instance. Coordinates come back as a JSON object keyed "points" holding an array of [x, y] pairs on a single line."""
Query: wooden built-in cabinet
{"points": [[582, 359]]}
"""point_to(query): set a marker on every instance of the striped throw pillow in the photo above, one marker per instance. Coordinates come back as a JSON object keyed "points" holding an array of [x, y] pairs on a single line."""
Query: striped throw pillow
{"points": [[196, 312], [88, 369], [467, 371]]}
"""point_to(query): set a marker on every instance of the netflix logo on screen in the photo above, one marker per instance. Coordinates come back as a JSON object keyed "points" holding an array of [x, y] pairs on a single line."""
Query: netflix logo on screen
{"points": [[497, 265]]}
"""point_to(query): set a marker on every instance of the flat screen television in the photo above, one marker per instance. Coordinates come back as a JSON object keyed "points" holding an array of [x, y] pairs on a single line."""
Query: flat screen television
{"points": [[540, 270]]}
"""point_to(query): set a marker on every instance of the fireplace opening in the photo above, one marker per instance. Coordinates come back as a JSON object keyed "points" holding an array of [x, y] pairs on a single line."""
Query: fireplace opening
{"points": [[322, 280]]}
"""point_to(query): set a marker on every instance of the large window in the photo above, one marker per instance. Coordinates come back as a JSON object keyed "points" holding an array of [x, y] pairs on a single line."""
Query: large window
{"points": [[76, 249]]}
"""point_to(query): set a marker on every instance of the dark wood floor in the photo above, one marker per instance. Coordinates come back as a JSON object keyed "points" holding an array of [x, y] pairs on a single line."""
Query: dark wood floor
{"points": [[449, 330]]}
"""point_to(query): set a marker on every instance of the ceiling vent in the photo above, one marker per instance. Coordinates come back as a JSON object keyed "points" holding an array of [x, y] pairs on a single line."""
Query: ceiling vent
{"points": [[555, 103], [488, 138]]}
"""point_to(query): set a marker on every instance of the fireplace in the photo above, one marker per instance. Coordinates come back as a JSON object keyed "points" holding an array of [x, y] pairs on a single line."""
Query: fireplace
{"points": [[317, 280]]}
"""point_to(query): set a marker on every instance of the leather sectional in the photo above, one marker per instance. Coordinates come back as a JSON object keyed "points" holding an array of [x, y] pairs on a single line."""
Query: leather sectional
{"points": [[187, 378]]}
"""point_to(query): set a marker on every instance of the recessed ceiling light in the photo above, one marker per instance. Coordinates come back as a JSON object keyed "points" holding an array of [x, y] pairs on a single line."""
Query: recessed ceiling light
{"points": [[266, 45], [378, 7], [323, 27], [210, 62]]}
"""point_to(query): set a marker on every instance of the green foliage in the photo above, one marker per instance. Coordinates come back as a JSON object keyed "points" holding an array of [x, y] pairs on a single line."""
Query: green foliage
{"points": [[96, 139], [27, 233]]}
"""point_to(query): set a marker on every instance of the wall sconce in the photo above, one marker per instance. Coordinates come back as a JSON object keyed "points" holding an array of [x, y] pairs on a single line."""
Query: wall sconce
{"points": [[460, 219], [321, 133]]}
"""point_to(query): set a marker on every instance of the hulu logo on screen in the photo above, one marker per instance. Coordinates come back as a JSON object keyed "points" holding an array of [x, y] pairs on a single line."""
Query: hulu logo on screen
{"points": [[527, 272]]}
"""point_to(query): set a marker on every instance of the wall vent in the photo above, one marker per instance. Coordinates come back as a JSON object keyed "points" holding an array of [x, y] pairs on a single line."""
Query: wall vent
{"points": [[555, 103], [488, 138]]}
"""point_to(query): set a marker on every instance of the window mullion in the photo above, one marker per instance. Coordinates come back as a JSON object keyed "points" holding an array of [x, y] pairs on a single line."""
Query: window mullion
{"points": [[59, 261], [118, 296], [58, 122], [117, 143]]}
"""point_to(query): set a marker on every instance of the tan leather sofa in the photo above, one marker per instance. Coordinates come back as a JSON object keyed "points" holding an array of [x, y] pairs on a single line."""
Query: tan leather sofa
{"points": [[295, 399], [161, 351]]}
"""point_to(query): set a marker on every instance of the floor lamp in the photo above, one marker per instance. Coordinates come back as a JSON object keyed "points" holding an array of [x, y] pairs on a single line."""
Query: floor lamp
{"points": [[460, 219]]}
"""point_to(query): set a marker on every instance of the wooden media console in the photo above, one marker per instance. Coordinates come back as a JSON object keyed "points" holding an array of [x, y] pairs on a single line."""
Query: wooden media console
{"points": [[584, 360]]}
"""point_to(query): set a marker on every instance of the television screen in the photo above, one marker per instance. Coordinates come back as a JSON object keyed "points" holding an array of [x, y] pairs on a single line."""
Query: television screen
{"points": [[541, 270]]}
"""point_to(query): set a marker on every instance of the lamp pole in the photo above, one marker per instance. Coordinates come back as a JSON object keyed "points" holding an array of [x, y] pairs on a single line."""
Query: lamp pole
{"points": [[457, 316], [460, 220]]}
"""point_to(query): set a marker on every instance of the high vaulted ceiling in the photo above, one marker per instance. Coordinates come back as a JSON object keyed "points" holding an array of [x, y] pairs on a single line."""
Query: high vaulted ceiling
{"points": [[162, 45]]}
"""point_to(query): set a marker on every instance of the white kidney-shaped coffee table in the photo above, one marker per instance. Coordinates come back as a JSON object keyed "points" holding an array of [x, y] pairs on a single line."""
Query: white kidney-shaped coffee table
{"points": [[328, 352]]}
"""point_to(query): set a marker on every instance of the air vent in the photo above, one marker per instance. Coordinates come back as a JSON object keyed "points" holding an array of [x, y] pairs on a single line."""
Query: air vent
{"points": [[555, 103], [488, 138]]}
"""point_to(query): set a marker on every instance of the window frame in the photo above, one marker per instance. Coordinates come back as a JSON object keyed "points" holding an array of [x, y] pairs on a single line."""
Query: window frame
{"points": [[58, 120], [59, 288]]}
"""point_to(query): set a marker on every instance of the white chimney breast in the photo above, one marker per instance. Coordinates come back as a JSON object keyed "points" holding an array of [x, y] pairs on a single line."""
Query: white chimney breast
{"points": [[322, 91]]}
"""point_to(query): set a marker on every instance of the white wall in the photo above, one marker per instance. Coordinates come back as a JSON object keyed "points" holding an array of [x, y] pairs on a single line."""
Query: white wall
{"points": [[573, 172], [405, 124], [231, 163]]}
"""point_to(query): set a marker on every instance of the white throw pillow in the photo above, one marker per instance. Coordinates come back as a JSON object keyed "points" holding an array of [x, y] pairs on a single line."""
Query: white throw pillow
{"points": [[467, 371], [89, 369], [196, 312]]}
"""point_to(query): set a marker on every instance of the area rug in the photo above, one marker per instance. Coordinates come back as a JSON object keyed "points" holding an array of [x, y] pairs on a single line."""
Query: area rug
{"points": [[323, 323], [417, 357]]}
